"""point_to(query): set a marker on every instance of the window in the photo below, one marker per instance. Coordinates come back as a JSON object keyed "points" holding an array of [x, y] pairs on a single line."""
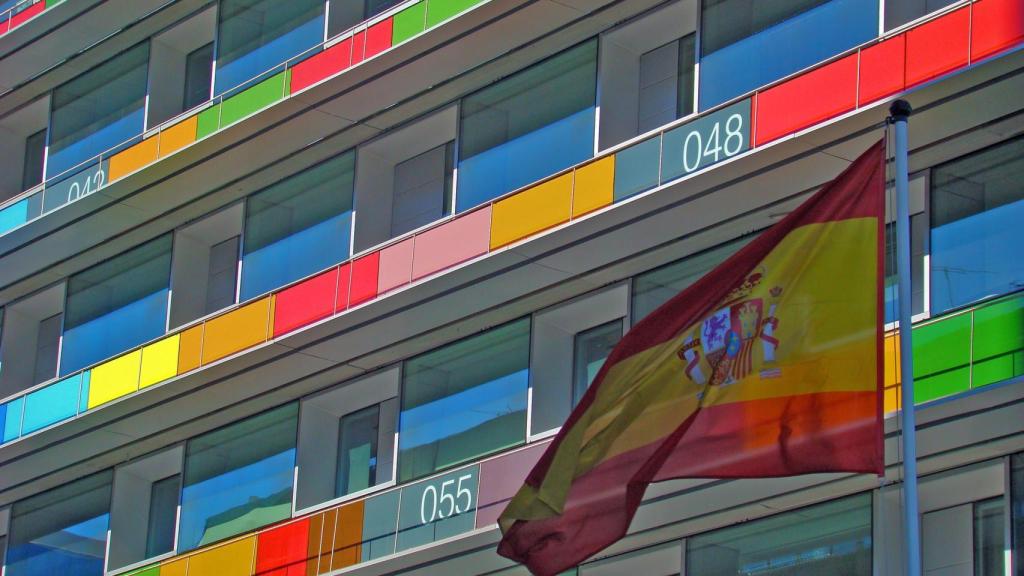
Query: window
{"points": [[591, 349], [918, 235], [221, 275], [61, 531], [829, 538], [47, 345], [98, 110], [423, 189], [654, 288], [899, 12], [344, 14], [204, 273], [977, 203], [198, 76], [298, 226], [357, 451], [527, 126], [32, 331], [989, 531], [116, 305], [464, 400], [238, 478], [163, 508], [661, 560], [257, 35], [35, 152], [181, 66], [666, 84], [724, 22]]}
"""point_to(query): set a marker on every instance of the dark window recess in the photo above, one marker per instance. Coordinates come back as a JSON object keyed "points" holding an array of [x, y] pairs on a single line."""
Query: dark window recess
{"points": [[423, 190], [163, 511], [357, 451], [899, 12], [198, 76], [344, 14], [47, 345], [726, 22], [222, 276], [592, 348], [35, 152], [666, 84]]}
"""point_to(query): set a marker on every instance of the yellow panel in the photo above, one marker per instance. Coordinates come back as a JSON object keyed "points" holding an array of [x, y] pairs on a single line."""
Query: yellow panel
{"points": [[114, 379], [234, 559], [530, 211], [132, 159], [236, 330], [159, 361], [593, 186], [891, 372], [175, 568], [178, 136]]}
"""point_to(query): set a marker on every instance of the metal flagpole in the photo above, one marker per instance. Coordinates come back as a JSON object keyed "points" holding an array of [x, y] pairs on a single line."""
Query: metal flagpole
{"points": [[899, 113]]}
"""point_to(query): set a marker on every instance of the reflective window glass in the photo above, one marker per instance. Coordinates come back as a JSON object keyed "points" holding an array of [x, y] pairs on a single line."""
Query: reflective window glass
{"points": [[344, 14], [254, 36], [98, 110], [899, 12], [666, 83], [61, 531], [116, 305], [989, 537], [977, 204], [918, 235], [591, 349], [654, 288], [527, 126], [238, 478], [298, 226], [163, 512], [830, 538], [464, 400], [32, 167], [724, 22], [198, 75], [357, 451]]}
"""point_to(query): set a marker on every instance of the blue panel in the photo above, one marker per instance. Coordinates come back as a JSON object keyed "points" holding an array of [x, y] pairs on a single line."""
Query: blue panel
{"points": [[49, 405], [636, 168], [255, 64], [293, 257], [128, 128], [525, 159], [11, 428], [114, 332], [13, 216], [786, 48]]}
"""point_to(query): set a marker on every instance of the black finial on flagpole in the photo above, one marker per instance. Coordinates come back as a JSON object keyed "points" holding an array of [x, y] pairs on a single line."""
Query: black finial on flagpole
{"points": [[900, 110]]}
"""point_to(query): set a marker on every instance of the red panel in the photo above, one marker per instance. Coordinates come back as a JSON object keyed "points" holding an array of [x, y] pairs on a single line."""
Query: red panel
{"points": [[27, 14], [305, 302], [937, 47], [882, 69], [344, 279], [378, 38], [996, 26], [282, 550], [327, 63], [807, 99], [358, 47], [364, 279]]}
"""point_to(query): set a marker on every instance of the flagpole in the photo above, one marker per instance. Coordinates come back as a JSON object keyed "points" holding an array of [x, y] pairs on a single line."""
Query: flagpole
{"points": [[899, 112]]}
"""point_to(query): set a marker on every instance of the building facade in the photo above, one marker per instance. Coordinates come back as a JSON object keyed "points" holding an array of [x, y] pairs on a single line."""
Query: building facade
{"points": [[306, 287]]}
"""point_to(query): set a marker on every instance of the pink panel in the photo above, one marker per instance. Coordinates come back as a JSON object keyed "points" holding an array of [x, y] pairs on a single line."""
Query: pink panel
{"points": [[451, 243], [500, 478], [395, 266]]}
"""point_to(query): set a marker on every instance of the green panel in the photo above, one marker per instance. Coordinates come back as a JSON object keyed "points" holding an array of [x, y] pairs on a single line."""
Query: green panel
{"points": [[942, 346], [252, 99], [51, 3], [409, 22], [942, 384], [208, 122], [998, 342], [148, 571], [440, 10]]}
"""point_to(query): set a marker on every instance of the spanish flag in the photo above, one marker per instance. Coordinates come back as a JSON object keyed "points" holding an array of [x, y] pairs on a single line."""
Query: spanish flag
{"points": [[770, 365]]}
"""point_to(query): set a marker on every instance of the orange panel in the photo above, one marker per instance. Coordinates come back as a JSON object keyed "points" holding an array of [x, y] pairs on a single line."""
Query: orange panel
{"points": [[178, 136], [190, 349], [316, 526], [237, 330], [592, 188], [348, 536], [326, 549], [175, 568], [130, 160]]}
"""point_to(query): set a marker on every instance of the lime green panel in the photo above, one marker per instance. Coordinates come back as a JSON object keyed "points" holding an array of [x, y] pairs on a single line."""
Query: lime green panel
{"points": [[209, 122], [252, 99], [942, 346], [409, 22], [998, 342], [440, 10], [942, 384], [149, 571], [51, 3]]}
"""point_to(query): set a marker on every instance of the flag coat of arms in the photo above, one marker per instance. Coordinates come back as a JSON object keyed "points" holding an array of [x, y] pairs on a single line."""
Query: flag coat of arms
{"points": [[770, 365]]}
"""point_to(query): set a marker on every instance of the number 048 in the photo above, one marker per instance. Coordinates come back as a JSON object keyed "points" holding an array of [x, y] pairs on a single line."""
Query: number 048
{"points": [[716, 147]]}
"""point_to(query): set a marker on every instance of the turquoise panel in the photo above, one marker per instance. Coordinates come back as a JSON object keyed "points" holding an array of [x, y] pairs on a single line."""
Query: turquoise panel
{"points": [[11, 427], [438, 508], [49, 405], [636, 168], [379, 514], [83, 402], [14, 215]]}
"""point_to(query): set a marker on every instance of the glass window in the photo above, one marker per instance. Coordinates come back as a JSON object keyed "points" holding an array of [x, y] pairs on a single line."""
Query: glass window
{"points": [[32, 167], [918, 235], [254, 36], [61, 531], [654, 288], [666, 84], [989, 531], [222, 275], [357, 451], [464, 400], [116, 305], [345, 14], [899, 12], [977, 204], [1017, 506], [830, 538], [591, 349], [527, 126], [423, 190], [298, 226], [47, 346], [724, 22], [98, 110], [238, 478], [163, 512], [198, 76]]}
